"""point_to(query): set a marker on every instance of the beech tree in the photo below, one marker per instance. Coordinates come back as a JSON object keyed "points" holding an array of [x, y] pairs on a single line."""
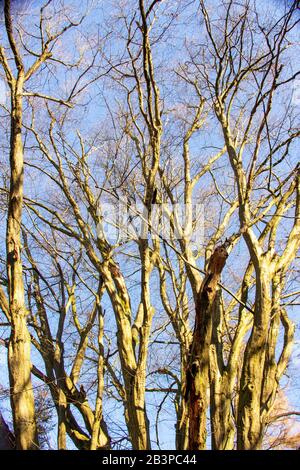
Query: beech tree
{"points": [[120, 298]]}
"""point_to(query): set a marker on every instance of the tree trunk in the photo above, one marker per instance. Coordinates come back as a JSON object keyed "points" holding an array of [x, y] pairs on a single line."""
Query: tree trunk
{"points": [[222, 425], [61, 421], [100, 439], [22, 400], [182, 422], [138, 424], [250, 425], [197, 382]]}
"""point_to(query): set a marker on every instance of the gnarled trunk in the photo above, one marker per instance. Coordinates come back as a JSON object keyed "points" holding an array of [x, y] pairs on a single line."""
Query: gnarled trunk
{"points": [[197, 381]]}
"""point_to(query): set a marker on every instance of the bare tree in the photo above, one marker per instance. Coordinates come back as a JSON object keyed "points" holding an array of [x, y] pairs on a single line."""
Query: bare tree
{"points": [[224, 76], [143, 319], [22, 400]]}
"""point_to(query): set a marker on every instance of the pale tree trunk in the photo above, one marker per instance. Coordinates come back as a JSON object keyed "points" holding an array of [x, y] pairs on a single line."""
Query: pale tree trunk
{"points": [[223, 377], [133, 371], [182, 422], [22, 400], [99, 439], [61, 418], [138, 424], [178, 316], [222, 424], [250, 425]]}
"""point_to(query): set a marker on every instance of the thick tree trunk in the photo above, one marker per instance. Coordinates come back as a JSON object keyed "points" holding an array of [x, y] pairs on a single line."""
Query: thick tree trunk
{"points": [[22, 400], [250, 425], [197, 382], [61, 421], [182, 423], [99, 438], [138, 424], [222, 425]]}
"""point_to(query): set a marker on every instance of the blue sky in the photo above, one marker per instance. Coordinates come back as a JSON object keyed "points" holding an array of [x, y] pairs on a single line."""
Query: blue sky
{"points": [[93, 117]]}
